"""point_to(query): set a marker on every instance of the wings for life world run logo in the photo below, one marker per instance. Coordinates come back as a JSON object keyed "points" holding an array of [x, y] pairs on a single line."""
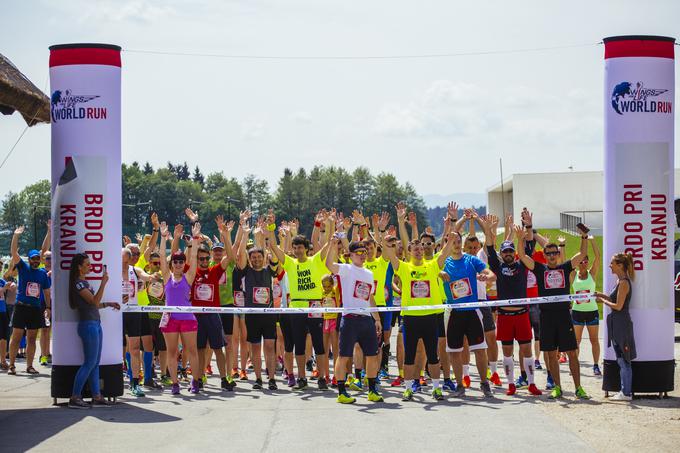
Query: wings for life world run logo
{"points": [[66, 106], [629, 98]]}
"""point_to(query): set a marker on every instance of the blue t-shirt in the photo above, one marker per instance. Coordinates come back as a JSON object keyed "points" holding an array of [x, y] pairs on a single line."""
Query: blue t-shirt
{"points": [[32, 282], [3, 305], [462, 286]]}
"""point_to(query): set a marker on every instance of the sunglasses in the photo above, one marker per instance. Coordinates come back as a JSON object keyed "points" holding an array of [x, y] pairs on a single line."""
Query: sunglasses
{"points": [[552, 253], [177, 261], [156, 263], [135, 253], [360, 252], [204, 258], [427, 244]]}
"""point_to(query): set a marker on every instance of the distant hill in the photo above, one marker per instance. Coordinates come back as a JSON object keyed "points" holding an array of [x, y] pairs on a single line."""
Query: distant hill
{"points": [[463, 199]]}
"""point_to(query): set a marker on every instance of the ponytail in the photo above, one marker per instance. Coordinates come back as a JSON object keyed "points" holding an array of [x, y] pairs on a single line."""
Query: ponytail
{"points": [[626, 260]]}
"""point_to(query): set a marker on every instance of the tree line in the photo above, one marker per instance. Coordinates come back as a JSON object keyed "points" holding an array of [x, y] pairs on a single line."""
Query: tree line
{"points": [[168, 190]]}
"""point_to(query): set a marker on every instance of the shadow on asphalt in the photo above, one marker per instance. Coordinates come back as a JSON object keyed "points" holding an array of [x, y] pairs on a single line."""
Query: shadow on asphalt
{"points": [[23, 429]]}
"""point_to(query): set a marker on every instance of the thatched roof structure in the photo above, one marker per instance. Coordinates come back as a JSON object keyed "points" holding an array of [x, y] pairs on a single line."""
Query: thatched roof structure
{"points": [[18, 93]]}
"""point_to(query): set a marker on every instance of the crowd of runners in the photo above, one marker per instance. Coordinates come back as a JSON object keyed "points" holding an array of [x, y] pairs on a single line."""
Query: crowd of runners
{"points": [[351, 261]]}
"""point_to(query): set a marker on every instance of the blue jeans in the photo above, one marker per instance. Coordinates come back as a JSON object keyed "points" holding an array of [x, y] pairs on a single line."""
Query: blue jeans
{"points": [[90, 332], [625, 370]]}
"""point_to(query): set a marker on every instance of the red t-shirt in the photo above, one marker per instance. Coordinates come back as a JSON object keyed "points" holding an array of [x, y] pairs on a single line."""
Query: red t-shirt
{"points": [[205, 291]]}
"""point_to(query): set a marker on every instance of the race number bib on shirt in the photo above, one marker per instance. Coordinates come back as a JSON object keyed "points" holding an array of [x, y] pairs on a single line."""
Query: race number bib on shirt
{"points": [[129, 288], [260, 295], [531, 280], [420, 289], [315, 304], [362, 290], [329, 302], [582, 301], [387, 292], [204, 292], [239, 298], [396, 301], [223, 279], [278, 291], [33, 289], [155, 290], [554, 279], [461, 288]]}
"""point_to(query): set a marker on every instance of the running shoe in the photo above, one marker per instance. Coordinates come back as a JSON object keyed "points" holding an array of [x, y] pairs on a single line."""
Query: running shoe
{"points": [[78, 403], [165, 380], [537, 365], [43, 360], [184, 375], [550, 383], [495, 379], [334, 382], [596, 370], [101, 402], [137, 391], [279, 363], [356, 385], [151, 384], [322, 384], [290, 380], [234, 373], [175, 389], [224, 384], [249, 365], [383, 374], [301, 384], [200, 384], [581, 394], [511, 389], [194, 387], [315, 374], [243, 375], [555, 393], [534, 390], [437, 394], [407, 395], [466, 382], [272, 385], [521, 382], [486, 389], [204, 379], [563, 358], [422, 381], [49, 359], [397, 382], [375, 397], [208, 370], [459, 392], [415, 386], [618, 397], [449, 385], [344, 398], [258, 384], [309, 365]]}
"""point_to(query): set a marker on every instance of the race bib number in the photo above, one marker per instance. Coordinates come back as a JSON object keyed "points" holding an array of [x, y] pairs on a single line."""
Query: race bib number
{"points": [[387, 292], [329, 302], [375, 286], [554, 279], [261, 295], [33, 289], [363, 290], [155, 290], [582, 301], [315, 304], [165, 319], [420, 289], [278, 291], [531, 280], [223, 279], [129, 288], [204, 292], [396, 301], [461, 288], [239, 298]]}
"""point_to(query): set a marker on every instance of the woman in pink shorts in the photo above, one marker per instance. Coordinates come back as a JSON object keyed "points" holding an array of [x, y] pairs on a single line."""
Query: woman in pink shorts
{"points": [[177, 293], [331, 299]]}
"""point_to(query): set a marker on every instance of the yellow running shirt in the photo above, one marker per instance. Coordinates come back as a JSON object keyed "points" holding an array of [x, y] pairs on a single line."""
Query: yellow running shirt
{"points": [[419, 286], [304, 279]]}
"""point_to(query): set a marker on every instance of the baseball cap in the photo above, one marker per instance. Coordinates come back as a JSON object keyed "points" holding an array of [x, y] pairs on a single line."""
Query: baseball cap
{"points": [[218, 245], [33, 253], [507, 245], [356, 245]]}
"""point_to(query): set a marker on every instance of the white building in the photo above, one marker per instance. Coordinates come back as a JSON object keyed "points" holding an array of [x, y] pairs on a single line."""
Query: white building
{"points": [[554, 197]]}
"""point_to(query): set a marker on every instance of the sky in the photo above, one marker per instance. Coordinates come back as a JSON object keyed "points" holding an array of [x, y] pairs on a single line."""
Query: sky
{"points": [[441, 124]]}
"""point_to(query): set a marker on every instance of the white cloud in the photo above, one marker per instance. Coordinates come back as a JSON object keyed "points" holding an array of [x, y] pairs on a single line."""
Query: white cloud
{"points": [[252, 130]]}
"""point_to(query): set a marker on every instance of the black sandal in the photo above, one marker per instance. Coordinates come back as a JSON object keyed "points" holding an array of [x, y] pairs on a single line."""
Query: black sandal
{"points": [[31, 370]]}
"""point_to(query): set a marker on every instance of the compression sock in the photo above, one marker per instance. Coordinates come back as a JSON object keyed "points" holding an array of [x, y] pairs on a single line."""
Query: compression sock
{"points": [[371, 384], [529, 367], [493, 366], [128, 362], [509, 365], [148, 366], [466, 370], [341, 388]]}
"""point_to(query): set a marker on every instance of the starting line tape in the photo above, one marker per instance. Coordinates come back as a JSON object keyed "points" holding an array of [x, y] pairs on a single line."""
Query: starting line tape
{"points": [[293, 310]]}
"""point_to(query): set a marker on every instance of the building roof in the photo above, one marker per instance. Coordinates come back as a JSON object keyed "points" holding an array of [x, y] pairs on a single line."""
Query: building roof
{"points": [[507, 182], [17, 93]]}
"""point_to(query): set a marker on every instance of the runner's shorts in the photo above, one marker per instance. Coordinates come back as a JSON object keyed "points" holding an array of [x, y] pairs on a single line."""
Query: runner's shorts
{"points": [[487, 319], [557, 331], [209, 331], [4, 328], [416, 328], [465, 323], [259, 326], [300, 325], [386, 319], [330, 325], [585, 318], [136, 324], [27, 317], [358, 329], [227, 322], [157, 335], [441, 330], [513, 326]]}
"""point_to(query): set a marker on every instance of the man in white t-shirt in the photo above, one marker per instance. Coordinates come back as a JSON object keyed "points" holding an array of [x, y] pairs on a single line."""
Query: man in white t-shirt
{"points": [[363, 328]]}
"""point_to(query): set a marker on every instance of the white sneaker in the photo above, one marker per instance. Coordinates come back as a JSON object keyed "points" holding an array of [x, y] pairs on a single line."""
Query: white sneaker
{"points": [[621, 397]]}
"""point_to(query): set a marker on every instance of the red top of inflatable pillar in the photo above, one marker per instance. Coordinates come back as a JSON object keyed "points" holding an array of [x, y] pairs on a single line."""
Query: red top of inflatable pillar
{"points": [[639, 46], [100, 54]]}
